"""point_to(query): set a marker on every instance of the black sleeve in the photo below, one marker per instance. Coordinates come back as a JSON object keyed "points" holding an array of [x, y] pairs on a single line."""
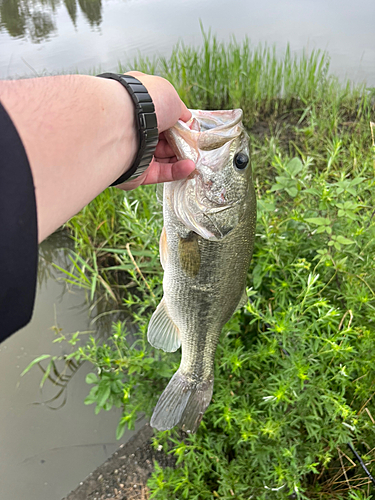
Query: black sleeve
{"points": [[18, 231]]}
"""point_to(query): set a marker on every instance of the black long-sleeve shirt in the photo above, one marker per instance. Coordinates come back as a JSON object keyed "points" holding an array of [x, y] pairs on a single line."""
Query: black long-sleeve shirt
{"points": [[18, 231]]}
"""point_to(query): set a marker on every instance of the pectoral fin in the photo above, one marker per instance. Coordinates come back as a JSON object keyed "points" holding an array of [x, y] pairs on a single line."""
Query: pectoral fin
{"points": [[162, 333], [189, 254]]}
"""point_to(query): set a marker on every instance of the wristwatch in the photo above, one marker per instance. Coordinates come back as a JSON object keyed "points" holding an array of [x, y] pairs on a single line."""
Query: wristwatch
{"points": [[146, 122]]}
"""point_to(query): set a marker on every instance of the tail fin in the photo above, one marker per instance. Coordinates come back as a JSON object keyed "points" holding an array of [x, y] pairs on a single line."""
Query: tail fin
{"points": [[182, 403]]}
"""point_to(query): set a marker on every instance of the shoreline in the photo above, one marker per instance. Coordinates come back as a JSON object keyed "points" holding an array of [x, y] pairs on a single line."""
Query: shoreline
{"points": [[124, 475]]}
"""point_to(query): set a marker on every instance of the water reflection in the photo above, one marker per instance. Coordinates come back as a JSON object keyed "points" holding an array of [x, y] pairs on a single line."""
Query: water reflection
{"points": [[23, 18], [71, 7], [55, 376], [35, 19], [92, 9], [56, 248], [56, 254]]}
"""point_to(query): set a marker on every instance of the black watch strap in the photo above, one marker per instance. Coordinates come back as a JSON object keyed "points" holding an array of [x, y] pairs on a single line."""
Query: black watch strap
{"points": [[146, 122]]}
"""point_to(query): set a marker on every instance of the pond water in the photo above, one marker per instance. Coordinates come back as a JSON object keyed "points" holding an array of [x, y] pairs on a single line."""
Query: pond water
{"points": [[47, 448], [51, 36]]}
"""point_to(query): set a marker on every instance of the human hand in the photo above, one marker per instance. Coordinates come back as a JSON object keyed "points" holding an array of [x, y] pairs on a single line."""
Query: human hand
{"points": [[169, 109]]}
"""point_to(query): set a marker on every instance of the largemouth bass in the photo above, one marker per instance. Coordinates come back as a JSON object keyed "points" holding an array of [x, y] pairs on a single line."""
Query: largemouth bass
{"points": [[205, 250]]}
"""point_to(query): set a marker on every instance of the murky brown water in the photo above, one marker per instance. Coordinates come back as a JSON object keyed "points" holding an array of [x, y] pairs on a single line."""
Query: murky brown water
{"points": [[70, 35], [45, 453]]}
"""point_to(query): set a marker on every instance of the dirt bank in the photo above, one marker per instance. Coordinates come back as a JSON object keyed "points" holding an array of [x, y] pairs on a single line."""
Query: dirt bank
{"points": [[124, 475]]}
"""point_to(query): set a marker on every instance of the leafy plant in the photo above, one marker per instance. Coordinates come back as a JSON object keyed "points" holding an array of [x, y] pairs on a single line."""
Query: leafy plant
{"points": [[296, 378], [294, 373]]}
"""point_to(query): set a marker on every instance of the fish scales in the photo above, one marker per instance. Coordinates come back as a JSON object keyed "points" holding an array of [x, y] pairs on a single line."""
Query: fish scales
{"points": [[205, 247], [195, 301]]}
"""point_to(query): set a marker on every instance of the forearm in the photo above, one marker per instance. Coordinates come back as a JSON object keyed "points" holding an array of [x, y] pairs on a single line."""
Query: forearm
{"points": [[79, 135]]}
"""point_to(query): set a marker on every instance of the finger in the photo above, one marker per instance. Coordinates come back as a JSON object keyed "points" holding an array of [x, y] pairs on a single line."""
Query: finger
{"points": [[185, 114], [166, 172], [161, 172], [129, 185], [163, 150], [171, 159]]}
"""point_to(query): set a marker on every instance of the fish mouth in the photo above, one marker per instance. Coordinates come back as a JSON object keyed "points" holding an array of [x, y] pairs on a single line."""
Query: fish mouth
{"points": [[213, 130], [222, 123], [198, 200]]}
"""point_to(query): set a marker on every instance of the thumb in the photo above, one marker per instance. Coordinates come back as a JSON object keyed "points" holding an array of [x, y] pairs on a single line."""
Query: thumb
{"points": [[168, 106]]}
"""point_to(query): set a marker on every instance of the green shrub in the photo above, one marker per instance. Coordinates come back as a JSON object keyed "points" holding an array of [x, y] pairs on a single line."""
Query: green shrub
{"points": [[294, 377], [295, 374]]}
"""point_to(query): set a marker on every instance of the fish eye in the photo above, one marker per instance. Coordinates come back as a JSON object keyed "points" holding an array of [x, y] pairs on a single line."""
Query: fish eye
{"points": [[241, 161]]}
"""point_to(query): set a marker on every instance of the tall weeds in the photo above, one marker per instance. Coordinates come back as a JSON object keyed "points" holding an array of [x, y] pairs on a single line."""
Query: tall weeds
{"points": [[295, 368]]}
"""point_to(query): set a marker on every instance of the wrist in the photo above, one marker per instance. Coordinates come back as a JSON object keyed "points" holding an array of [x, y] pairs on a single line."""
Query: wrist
{"points": [[123, 123], [145, 121]]}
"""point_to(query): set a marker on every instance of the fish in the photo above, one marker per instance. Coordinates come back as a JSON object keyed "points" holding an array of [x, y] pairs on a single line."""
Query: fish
{"points": [[206, 247]]}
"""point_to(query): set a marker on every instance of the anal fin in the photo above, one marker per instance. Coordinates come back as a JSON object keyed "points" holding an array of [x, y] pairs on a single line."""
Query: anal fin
{"points": [[162, 333]]}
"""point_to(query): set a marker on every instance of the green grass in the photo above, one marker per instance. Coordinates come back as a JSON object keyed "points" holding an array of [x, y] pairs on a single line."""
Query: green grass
{"points": [[221, 76], [294, 379]]}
